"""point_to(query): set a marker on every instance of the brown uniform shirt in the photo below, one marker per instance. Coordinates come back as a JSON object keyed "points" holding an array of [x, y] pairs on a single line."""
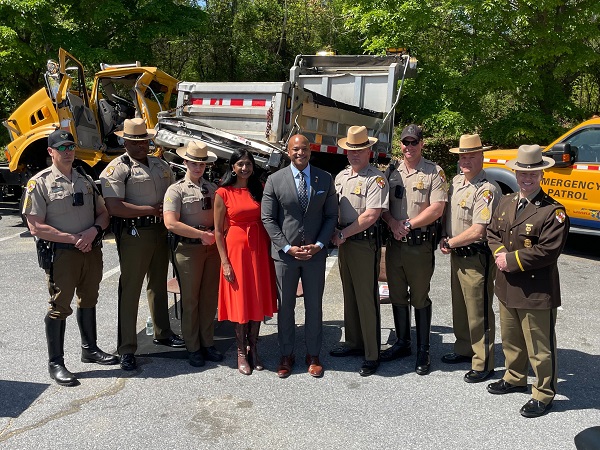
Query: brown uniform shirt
{"points": [[146, 185], [411, 191], [357, 192], [185, 198], [471, 203], [50, 195]]}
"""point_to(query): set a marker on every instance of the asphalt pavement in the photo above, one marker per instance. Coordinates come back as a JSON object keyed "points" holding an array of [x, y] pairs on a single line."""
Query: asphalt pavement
{"points": [[168, 404]]}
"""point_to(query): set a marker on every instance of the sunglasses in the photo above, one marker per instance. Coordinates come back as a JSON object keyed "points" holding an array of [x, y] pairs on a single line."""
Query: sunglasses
{"points": [[413, 143], [63, 148]]}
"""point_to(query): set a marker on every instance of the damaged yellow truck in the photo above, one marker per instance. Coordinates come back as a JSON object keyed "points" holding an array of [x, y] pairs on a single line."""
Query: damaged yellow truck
{"points": [[574, 180], [118, 92]]}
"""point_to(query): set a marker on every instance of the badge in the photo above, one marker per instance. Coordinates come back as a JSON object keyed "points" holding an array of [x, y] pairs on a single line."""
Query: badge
{"points": [[380, 182], [528, 227], [463, 203], [420, 183], [89, 188], [488, 196], [485, 213], [31, 185], [560, 215], [110, 171], [527, 243], [165, 174], [358, 187]]}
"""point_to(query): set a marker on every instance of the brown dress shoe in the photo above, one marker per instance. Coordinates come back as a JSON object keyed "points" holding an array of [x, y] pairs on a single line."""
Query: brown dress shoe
{"points": [[315, 369], [284, 369]]}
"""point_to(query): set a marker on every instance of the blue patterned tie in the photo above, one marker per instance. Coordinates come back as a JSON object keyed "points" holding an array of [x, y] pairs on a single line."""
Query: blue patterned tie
{"points": [[302, 191]]}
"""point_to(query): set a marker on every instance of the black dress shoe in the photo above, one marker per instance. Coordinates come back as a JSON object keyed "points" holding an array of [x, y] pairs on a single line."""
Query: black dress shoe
{"points": [[502, 387], [196, 359], [98, 356], [368, 368], [423, 364], [477, 376], [346, 351], [535, 408], [128, 361], [172, 341], [455, 358], [398, 350], [212, 354], [60, 374]]}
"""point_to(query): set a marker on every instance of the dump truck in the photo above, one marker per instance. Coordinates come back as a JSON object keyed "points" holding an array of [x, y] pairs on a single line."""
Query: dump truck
{"points": [[574, 180], [118, 92], [323, 97]]}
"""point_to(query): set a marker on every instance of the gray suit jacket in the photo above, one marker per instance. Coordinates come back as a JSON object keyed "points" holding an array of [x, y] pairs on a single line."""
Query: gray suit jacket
{"points": [[283, 218]]}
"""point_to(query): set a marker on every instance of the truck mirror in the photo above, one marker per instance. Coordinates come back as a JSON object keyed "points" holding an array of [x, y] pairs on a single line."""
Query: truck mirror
{"points": [[563, 154]]}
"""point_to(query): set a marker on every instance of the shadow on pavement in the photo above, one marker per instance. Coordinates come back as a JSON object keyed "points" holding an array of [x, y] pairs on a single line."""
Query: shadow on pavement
{"points": [[21, 394]]}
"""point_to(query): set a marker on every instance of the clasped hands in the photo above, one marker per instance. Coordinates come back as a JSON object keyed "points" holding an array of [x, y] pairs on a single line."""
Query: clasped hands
{"points": [[85, 239], [303, 252]]}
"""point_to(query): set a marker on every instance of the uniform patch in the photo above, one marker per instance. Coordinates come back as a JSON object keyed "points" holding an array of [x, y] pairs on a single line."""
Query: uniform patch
{"points": [[488, 196], [527, 243], [560, 215], [485, 213], [165, 174], [380, 182], [442, 175], [110, 171], [28, 202], [107, 184], [168, 199], [31, 185]]}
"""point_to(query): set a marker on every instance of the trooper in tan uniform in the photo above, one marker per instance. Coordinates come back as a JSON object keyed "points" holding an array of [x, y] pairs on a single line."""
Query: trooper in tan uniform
{"points": [[67, 216], [526, 236], [470, 206], [418, 194], [189, 216], [134, 185], [363, 194]]}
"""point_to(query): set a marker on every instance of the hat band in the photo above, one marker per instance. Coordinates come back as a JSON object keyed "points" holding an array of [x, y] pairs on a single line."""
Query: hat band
{"points": [[196, 158], [133, 136], [470, 149], [358, 145], [529, 166]]}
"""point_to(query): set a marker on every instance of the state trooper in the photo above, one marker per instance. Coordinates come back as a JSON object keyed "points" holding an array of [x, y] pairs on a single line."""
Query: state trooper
{"points": [[472, 200], [134, 185], [362, 195], [418, 194], [67, 216]]}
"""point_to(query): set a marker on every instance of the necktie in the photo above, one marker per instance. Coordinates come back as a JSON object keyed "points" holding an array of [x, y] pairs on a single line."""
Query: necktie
{"points": [[302, 191], [521, 206]]}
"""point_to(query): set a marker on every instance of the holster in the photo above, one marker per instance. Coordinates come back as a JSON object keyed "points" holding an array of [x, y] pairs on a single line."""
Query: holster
{"points": [[172, 240], [45, 253]]}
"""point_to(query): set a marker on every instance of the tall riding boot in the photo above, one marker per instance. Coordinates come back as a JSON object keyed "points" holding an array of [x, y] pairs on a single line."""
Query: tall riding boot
{"points": [[402, 345], [55, 337], [253, 332], [423, 321], [90, 353], [241, 336]]}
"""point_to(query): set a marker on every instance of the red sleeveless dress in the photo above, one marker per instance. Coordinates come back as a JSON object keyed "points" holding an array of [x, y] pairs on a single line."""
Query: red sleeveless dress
{"points": [[253, 294]]}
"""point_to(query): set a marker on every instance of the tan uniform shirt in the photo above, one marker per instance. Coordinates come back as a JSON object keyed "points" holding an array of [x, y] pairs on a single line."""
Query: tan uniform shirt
{"points": [[411, 191], [50, 195], [185, 198], [146, 185], [357, 192], [471, 203]]}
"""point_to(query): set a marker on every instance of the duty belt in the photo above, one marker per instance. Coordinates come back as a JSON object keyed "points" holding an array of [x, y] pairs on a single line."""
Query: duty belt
{"points": [[368, 234], [416, 237], [187, 240], [473, 249], [144, 221], [65, 246]]}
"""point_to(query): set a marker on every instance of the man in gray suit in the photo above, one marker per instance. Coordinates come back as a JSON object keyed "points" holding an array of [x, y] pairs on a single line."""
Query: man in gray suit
{"points": [[299, 211]]}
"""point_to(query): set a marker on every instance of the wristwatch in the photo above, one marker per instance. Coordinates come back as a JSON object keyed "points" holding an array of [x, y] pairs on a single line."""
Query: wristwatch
{"points": [[98, 229], [340, 236], [447, 244]]}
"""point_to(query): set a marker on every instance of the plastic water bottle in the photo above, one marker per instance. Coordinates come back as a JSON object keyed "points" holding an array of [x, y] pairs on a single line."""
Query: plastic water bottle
{"points": [[149, 326]]}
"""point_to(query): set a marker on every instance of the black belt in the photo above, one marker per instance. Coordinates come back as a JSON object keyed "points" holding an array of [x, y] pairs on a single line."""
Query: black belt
{"points": [[64, 246], [144, 221], [187, 240], [416, 237], [473, 249], [368, 234]]}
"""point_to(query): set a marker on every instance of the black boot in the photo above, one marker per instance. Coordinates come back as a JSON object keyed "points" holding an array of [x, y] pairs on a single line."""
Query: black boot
{"points": [[423, 322], [90, 353], [253, 331], [402, 345], [241, 337], [55, 337]]}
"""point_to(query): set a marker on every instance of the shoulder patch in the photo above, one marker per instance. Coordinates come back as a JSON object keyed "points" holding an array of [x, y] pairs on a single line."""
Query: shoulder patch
{"points": [[487, 196], [560, 215], [110, 170], [31, 185], [380, 182], [442, 175], [485, 214]]}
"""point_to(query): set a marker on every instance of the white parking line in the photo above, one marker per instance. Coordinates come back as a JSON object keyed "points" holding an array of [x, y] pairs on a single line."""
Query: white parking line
{"points": [[10, 237], [110, 273]]}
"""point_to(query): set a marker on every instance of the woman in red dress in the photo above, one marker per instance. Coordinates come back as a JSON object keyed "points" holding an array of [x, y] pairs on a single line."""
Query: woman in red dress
{"points": [[247, 291]]}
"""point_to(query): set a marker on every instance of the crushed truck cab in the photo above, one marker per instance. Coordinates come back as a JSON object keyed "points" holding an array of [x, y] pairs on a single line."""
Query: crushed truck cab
{"points": [[118, 92], [574, 180]]}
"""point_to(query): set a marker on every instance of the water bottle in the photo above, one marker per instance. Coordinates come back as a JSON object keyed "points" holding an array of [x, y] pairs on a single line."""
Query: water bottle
{"points": [[149, 326]]}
